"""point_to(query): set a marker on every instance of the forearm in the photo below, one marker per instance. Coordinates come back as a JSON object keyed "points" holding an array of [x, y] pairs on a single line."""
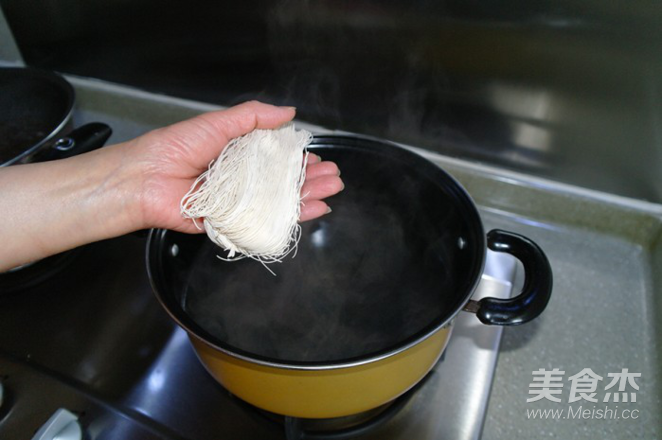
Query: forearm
{"points": [[51, 207]]}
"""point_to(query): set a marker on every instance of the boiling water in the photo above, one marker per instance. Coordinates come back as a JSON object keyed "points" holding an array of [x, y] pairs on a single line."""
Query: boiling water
{"points": [[363, 280]]}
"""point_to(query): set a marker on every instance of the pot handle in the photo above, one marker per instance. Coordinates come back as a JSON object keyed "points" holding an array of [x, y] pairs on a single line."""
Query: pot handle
{"points": [[537, 289], [81, 140]]}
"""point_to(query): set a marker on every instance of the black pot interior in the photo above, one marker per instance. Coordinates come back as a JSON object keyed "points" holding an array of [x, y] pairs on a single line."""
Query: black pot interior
{"points": [[33, 103], [398, 256]]}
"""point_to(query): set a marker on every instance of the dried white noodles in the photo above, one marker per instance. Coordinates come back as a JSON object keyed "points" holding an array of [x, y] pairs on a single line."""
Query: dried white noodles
{"points": [[250, 196]]}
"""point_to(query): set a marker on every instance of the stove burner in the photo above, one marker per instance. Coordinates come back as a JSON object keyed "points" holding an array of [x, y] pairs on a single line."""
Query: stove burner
{"points": [[339, 428]]}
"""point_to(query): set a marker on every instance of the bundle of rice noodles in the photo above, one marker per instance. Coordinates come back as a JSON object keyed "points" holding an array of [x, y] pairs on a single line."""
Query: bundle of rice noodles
{"points": [[250, 197]]}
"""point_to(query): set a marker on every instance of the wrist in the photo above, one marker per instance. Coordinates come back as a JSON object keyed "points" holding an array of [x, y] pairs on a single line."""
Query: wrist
{"points": [[115, 191]]}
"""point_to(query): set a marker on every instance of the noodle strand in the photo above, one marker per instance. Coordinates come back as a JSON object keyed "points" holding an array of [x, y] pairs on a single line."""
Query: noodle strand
{"points": [[250, 197]]}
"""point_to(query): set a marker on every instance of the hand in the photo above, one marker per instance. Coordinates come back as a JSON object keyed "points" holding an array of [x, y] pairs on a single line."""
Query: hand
{"points": [[174, 156], [54, 206]]}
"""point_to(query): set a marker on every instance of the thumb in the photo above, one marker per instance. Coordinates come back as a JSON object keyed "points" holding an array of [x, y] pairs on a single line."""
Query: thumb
{"points": [[244, 118], [217, 128]]}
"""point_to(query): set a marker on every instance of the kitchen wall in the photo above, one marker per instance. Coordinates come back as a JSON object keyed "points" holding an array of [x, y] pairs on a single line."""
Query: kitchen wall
{"points": [[570, 90]]}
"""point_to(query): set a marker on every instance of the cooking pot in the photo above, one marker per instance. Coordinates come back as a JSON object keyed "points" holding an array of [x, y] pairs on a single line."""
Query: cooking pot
{"points": [[365, 308], [36, 108]]}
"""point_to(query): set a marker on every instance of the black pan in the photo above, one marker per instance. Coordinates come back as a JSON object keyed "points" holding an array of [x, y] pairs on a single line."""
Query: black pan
{"points": [[396, 260], [36, 108]]}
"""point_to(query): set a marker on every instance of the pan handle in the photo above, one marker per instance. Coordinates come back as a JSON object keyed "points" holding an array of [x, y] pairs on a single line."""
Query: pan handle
{"points": [[81, 140], [537, 283]]}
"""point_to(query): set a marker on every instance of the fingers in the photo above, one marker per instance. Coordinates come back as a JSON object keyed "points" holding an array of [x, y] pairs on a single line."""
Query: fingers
{"points": [[322, 180], [313, 209], [201, 139], [244, 118], [313, 158], [320, 169], [321, 187]]}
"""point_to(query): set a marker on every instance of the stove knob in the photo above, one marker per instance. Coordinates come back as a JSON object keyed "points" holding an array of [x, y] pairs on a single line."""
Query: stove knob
{"points": [[63, 425]]}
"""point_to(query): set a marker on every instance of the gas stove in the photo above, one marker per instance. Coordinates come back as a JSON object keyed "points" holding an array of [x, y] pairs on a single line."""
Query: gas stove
{"points": [[89, 353]]}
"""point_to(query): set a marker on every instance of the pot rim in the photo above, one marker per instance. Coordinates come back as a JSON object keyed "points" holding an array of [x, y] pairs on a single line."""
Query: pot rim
{"points": [[156, 237]]}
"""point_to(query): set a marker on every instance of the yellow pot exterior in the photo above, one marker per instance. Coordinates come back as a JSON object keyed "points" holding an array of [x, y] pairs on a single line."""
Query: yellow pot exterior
{"points": [[323, 393]]}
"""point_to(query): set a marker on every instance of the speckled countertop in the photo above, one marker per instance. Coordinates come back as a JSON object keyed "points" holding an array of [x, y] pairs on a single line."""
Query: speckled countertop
{"points": [[599, 318], [606, 254]]}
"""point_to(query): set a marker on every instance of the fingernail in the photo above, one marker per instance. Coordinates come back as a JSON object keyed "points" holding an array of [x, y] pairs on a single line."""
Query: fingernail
{"points": [[343, 186], [290, 107], [328, 209]]}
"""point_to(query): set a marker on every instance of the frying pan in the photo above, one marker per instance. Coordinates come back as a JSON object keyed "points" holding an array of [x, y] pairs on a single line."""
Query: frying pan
{"points": [[36, 108], [366, 307]]}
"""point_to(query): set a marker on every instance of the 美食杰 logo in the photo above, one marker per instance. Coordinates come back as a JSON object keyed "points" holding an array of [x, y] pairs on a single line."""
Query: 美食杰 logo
{"points": [[584, 386]]}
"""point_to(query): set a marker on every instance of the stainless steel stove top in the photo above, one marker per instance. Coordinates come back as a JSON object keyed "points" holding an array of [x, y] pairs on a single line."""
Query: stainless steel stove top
{"points": [[94, 341]]}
